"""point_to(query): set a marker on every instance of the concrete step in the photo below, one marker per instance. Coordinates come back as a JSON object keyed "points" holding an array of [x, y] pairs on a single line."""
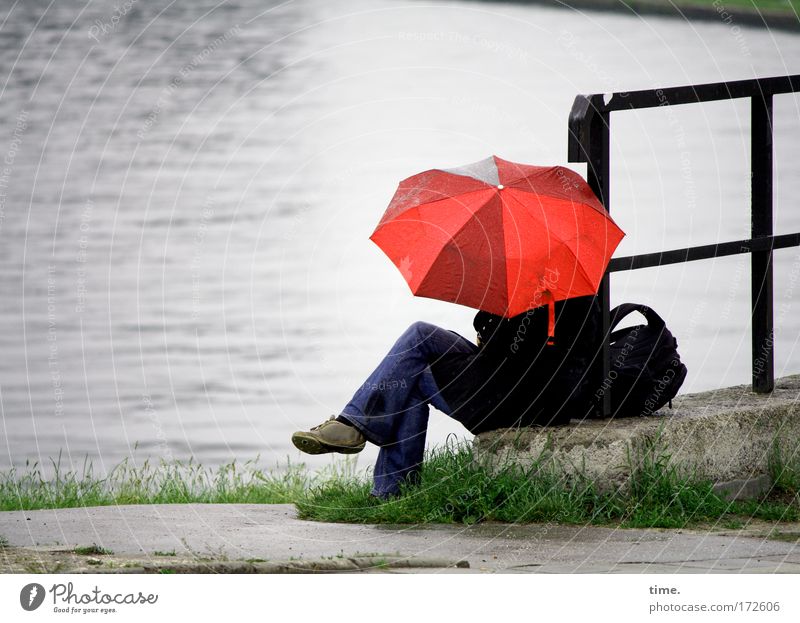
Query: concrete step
{"points": [[726, 435]]}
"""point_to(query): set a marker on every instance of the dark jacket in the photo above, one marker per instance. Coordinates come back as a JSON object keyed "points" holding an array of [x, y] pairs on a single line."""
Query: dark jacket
{"points": [[515, 378]]}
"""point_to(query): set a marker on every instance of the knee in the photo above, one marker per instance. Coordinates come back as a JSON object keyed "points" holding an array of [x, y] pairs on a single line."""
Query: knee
{"points": [[421, 328]]}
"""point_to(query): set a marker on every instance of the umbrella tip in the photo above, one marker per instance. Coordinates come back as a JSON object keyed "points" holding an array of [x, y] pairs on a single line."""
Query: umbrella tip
{"points": [[500, 187]]}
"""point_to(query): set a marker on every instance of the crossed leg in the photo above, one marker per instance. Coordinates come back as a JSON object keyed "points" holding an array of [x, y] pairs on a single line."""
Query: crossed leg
{"points": [[391, 408]]}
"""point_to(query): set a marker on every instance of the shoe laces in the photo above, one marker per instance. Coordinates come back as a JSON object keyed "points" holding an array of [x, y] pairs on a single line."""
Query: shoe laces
{"points": [[330, 419]]}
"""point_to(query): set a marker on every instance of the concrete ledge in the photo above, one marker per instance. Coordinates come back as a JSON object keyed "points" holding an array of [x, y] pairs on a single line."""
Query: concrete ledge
{"points": [[724, 435]]}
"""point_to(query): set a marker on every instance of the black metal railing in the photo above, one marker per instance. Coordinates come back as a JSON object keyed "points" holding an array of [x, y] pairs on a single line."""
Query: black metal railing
{"points": [[589, 141]]}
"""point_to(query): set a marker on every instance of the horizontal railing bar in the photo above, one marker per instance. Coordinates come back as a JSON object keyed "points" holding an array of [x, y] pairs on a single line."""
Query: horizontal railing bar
{"points": [[693, 94], [689, 254]]}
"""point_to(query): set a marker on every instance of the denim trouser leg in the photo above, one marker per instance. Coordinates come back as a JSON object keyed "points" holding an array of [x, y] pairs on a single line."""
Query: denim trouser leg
{"points": [[391, 407]]}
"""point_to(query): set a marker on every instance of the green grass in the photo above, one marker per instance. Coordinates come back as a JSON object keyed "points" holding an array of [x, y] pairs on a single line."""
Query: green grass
{"points": [[92, 550], [773, 5], [786, 6], [150, 483], [453, 487], [787, 537]]}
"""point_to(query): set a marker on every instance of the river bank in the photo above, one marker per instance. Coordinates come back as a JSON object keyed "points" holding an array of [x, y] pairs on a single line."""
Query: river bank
{"points": [[456, 487], [734, 13], [727, 456]]}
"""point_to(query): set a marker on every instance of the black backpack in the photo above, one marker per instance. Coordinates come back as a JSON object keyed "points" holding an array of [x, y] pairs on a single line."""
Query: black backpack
{"points": [[646, 370]]}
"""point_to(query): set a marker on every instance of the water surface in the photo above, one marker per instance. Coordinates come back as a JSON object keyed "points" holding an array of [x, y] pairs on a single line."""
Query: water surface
{"points": [[189, 189]]}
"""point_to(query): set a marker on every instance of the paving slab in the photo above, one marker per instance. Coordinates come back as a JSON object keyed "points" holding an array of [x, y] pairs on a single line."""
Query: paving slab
{"points": [[272, 534]]}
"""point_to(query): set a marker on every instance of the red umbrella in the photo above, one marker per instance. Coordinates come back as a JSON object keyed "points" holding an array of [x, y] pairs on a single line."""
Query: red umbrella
{"points": [[498, 236]]}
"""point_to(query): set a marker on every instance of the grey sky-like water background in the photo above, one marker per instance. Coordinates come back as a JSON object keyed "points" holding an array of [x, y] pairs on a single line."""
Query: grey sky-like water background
{"points": [[188, 189]]}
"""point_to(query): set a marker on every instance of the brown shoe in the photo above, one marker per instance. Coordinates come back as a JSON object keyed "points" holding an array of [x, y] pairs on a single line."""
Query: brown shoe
{"points": [[330, 436]]}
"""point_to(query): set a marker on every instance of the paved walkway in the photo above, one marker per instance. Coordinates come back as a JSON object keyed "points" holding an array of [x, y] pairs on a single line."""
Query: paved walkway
{"points": [[213, 537]]}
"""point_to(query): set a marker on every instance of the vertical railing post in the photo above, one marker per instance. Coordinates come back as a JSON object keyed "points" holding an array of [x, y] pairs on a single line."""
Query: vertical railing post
{"points": [[761, 225], [598, 178], [589, 142]]}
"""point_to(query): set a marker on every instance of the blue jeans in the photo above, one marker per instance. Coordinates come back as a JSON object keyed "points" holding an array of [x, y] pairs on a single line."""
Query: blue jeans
{"points": [[391, 408]]}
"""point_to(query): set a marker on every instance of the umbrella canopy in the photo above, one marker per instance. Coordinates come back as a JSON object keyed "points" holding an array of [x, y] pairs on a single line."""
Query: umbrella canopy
{"points": [[498, 236]]}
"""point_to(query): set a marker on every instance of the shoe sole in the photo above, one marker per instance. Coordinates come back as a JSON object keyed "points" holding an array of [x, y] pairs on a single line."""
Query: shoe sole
{"points": [[309, 444]]}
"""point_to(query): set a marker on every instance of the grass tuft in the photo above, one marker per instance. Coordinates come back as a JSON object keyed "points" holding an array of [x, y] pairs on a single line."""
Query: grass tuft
{"points": [[92, 550], [150, 483]]}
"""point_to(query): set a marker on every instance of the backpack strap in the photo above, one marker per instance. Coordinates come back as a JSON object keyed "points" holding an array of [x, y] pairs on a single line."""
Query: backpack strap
{"points": [[620, 334], [620, 311]]}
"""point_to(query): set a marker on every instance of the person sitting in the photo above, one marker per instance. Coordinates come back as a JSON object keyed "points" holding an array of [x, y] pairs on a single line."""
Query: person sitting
{"points": [[516, 375]]}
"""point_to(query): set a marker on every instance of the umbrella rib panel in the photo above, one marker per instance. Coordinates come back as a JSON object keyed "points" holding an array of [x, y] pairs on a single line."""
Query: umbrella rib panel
{"points": [[453, 248], [424, 222], [548, 231]]}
